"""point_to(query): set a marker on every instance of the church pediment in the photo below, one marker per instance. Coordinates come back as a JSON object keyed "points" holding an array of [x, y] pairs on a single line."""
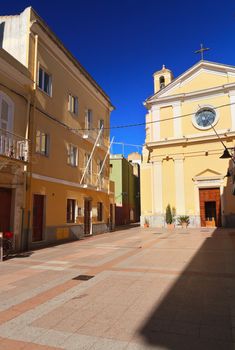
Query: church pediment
{"points": [[208, 174], [202, 76]]}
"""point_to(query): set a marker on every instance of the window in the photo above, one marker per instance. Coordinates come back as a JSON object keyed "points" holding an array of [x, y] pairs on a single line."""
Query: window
{"points": [[205, 118], [101, 126], [6, 112], [162, 82], [42, 143], [45, 81], [88, 121], [71, 205], [72, 155], [73, 104], [99, 211]]}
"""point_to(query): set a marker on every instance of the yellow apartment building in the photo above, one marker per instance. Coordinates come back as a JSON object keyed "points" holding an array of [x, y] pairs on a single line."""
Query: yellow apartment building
{"points": [[188, 119], [15, 92], [68, 189]]}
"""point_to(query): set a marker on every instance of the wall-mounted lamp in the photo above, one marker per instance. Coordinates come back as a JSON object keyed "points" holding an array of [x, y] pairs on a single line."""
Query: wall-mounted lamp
{"points": [[228, 173], [226, 154]]}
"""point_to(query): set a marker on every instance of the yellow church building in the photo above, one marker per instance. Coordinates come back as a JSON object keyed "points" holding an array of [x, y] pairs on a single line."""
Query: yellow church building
{"points": [[189, 124]]}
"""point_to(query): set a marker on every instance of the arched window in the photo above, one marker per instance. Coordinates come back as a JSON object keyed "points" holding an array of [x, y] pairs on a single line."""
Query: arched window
{"points": [[6, 112], [162, 82]]}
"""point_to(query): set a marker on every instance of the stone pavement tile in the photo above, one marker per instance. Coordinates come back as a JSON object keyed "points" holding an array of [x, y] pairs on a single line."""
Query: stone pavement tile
{"points": [[173, 341], [109, 344], [185, 328], [53, 338], [216, 333], [8, 344], [78, 342], [53, 317], [214, 319], [32, 346], [193, 317]]}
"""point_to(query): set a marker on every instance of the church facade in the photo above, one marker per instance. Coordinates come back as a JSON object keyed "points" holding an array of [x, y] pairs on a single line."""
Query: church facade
{"points": [[189, 124]]}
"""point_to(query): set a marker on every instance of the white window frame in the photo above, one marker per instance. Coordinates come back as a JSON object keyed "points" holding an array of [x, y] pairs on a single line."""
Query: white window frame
{"points": [[10, 118], [194, 122], [89, 119], [44, 71], [73, 104], [71, 159], [38, 148]]}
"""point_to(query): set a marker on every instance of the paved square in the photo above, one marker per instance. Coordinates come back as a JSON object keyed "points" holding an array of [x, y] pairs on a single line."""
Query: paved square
{"points": [[152, 289]]}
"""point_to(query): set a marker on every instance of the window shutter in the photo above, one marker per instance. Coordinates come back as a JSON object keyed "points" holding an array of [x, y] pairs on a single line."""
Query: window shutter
{"points": [[47, 144], [69, 103], [76, 105]]}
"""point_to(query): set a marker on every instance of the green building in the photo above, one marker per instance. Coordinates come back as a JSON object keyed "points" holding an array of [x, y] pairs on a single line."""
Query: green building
{"points": [[126, 176]]}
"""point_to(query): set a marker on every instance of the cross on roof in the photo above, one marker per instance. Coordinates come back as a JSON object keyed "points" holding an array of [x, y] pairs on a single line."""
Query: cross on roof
{"points": [[201, 50]]}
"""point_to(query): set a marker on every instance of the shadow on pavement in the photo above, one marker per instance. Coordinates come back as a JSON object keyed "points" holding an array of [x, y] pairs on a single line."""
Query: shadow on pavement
{"points": [[196, 312]]}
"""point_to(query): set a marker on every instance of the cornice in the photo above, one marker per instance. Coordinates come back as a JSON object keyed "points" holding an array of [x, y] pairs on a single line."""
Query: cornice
{"points": [[226, 88], [191, 140], [14, 74], [56, 49], [212, 66]]}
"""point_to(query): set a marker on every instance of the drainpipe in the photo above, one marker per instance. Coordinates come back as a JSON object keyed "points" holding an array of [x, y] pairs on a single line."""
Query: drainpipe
{"points": [[25, 174], [31, 136]]}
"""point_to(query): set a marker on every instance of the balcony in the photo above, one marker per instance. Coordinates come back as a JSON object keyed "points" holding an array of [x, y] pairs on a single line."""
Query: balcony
{"points": [[14, 146], [93, 180], [92, 135]]}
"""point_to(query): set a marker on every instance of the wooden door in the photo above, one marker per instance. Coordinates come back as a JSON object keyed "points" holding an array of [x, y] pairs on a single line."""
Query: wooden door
{"points": [[210, 207], [5, 209], [87, 217], [38, 217]]}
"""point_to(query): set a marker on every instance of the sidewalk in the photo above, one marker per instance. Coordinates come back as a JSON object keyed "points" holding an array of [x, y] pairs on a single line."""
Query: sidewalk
{"points": [[131, 289]]}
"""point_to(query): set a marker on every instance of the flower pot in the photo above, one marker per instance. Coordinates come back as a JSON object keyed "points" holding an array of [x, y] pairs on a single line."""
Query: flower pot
{"points": [[170, 226], [146, 225], [184, 224]]}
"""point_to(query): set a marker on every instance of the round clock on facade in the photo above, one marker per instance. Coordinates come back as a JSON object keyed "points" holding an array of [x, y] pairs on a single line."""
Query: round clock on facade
{"points": [[204, 118]]}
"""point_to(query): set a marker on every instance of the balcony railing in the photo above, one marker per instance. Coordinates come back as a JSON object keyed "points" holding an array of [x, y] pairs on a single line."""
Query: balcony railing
{"points": [[93, 133], [99, 182], [13, 146]]}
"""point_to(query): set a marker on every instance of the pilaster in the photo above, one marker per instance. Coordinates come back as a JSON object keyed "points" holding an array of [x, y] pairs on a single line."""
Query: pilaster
{"points": [[179, 185], [232, 109], [177, 122], [157, 187]]}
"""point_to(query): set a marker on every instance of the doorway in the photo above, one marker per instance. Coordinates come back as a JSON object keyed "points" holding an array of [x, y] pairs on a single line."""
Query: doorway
{"points": [[87, 217], [210, 207], [38, 217], [5, 209]]}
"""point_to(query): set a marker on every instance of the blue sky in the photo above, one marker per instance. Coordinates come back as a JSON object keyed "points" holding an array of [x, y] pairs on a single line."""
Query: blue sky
{"points": [[122, 42]]}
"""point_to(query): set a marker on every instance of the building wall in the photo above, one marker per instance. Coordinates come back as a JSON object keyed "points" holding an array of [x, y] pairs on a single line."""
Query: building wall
{"points": [[15, 91], [127, 189], [29, 40]]}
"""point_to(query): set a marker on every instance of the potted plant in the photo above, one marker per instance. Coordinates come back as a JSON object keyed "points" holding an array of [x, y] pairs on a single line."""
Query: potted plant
{"points": [[169, 217], [183, 220], [146, 222]]}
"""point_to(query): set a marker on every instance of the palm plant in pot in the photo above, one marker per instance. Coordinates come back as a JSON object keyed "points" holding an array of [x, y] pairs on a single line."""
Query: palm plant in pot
{"points": [[146, 222], [169, 217], [183, 220]]}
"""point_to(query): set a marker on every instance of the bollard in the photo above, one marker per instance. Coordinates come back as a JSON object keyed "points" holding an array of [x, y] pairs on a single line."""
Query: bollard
{"points": [[1, 246]]}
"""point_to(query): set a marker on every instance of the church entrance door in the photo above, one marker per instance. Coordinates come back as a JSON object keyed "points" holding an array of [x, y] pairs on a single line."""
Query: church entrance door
{"points": [[210, 207]]}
